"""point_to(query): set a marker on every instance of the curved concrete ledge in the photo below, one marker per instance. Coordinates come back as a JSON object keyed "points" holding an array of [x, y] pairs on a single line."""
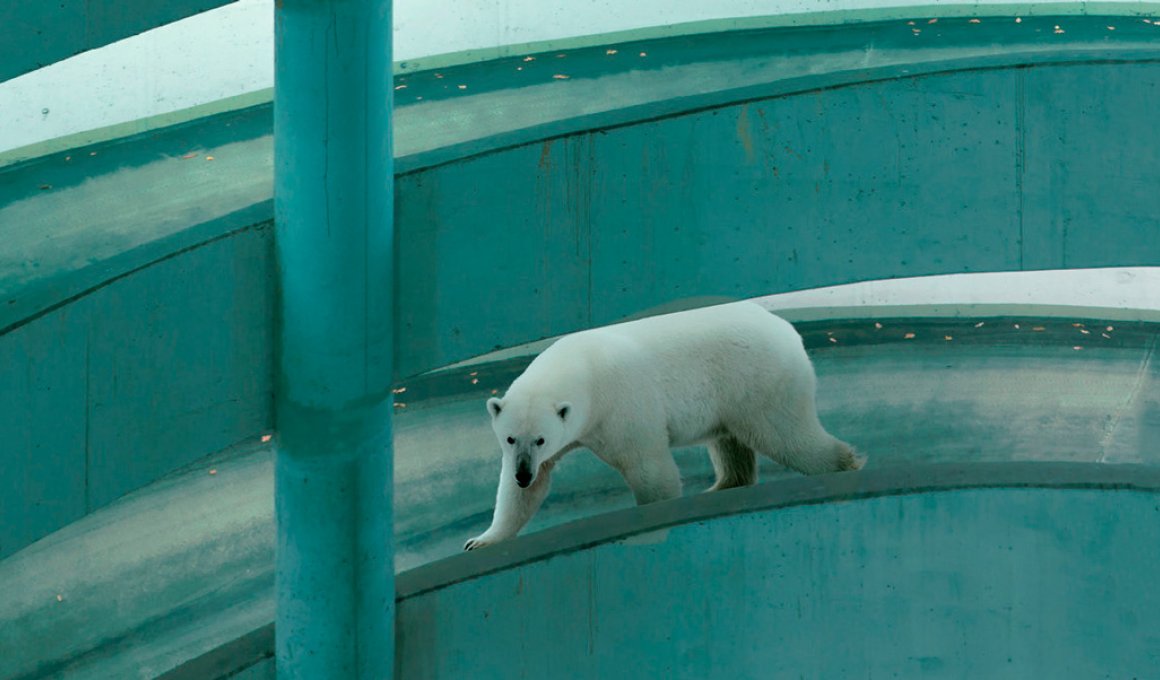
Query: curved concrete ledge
{"points": [[1042, 576], [255, 648], [62, 205], [849, 315], [836, 488], [444, 61], [198, 547]]}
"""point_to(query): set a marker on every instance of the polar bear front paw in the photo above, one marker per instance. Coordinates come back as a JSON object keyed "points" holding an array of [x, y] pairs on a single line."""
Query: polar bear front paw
{"points": [[477, 543]]}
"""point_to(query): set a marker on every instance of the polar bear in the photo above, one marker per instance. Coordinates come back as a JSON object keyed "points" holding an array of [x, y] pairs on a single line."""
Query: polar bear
{"points": [[734, 377]]}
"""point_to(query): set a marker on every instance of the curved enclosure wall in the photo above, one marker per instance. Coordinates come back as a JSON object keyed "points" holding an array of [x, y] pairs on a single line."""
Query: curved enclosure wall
{"points": [[556, 190], [577, 188], [849, 577]]}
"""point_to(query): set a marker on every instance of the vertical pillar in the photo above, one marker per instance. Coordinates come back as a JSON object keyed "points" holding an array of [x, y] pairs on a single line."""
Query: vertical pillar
{"points": [[333, 203]]}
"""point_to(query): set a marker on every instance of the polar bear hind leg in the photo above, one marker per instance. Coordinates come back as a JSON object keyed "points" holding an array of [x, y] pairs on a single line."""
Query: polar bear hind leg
{"points": [[798, 442], [734, 462]]}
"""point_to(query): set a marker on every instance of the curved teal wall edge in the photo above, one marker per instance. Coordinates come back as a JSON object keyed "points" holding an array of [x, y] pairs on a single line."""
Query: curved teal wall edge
{"points": [[841, 17], [25, 178], [837, 488], [45, 296], [982, 582], [494, 578], [614, 84], [1119, 10], [969, 171]]}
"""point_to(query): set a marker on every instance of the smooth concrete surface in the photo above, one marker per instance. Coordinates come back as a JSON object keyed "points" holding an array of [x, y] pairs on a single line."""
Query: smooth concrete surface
{"points": [[179, 568], [986, 582], [144, 375]]}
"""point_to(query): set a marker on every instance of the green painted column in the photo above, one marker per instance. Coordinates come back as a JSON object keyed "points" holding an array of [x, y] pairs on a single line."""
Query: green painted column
{"points": [[333, 211]]}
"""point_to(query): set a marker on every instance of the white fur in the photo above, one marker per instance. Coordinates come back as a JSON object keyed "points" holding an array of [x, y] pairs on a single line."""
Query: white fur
{"points": [[734, 377]]}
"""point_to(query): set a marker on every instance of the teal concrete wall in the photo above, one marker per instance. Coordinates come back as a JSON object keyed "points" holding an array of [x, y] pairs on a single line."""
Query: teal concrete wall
{"points": [[37, 34], [141, 376], [730, 164], [1007, 570], [975, 170], [955, 582]]}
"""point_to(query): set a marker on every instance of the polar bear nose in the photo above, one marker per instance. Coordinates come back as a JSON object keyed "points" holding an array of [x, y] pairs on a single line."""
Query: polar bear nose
{"points": [[523, 473]]}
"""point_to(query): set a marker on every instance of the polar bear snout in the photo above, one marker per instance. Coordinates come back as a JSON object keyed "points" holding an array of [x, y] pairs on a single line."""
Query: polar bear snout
{"points": [[524, 471]]}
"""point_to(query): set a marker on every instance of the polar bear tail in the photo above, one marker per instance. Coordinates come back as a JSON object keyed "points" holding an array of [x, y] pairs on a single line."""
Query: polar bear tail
{"points": [[848, 458]]}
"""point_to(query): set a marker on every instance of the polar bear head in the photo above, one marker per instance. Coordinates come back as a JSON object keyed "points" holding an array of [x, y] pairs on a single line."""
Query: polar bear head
{"points": [[530, 433]]}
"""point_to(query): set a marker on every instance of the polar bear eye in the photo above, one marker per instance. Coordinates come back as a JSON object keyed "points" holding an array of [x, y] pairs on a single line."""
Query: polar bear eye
{"points": [[540, 441], [511, 440]]}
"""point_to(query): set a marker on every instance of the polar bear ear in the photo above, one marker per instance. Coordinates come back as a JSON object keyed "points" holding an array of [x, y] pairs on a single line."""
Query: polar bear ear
{"points": [[494, 406], [563, 409]]}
